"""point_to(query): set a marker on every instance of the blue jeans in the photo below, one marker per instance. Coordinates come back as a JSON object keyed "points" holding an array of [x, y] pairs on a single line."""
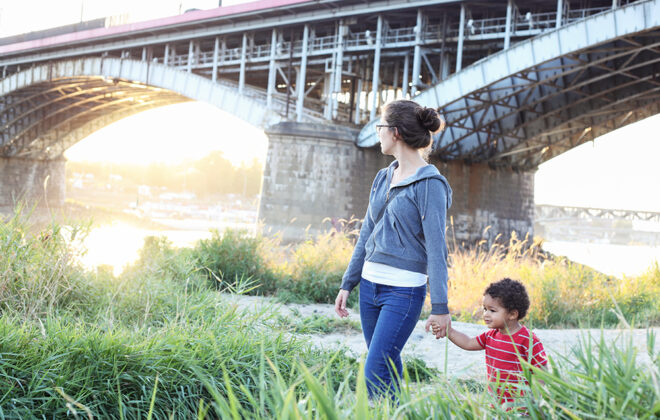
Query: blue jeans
{"points": [[388, 315]]}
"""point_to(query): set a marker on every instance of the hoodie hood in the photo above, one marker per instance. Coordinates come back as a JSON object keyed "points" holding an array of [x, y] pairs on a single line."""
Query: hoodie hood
{"points": [[425, 172]]}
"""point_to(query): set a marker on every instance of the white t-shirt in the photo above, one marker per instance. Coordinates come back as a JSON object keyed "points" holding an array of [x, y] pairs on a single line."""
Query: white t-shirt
{"points": [[392, 276]]}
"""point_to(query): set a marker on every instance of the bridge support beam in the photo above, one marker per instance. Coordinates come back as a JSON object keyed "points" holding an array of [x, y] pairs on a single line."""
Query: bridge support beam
{"points": [[40, 182], [315, 172]]}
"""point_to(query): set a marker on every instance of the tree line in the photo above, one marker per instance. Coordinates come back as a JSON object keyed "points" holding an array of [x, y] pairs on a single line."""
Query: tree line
{"points": [[210, 175]]}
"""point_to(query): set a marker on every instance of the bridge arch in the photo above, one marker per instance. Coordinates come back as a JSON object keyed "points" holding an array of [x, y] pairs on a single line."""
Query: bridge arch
{"points": [[543, 96], [48, 108]]}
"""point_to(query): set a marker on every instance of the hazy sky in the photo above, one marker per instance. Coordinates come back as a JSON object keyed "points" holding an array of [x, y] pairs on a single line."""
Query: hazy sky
{"points": [[172, 134], [619, 170]]}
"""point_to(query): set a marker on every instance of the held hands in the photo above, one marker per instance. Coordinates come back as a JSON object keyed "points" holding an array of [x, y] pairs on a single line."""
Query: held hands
{"points": [[440, 325], [340, 303]]}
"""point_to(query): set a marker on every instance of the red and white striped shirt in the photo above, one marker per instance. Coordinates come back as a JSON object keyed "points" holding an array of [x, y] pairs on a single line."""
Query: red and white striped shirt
{"points": [[502, 363]]}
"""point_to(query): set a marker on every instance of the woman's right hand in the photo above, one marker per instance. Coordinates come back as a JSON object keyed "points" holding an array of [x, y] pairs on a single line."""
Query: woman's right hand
{"points": [[340, 303]]}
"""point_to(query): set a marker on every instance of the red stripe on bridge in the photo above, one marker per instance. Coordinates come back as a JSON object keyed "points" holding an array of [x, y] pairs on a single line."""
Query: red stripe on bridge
{"points": [[189, 17]]}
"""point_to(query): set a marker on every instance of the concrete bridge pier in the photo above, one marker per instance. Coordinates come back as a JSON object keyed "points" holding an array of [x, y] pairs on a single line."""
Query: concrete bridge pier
{"points": [[488, 202], [40, 182], [315, 171]]}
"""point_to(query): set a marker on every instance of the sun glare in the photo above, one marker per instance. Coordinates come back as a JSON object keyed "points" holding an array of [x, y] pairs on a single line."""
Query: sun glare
{"points": [[618, 170], [171, 135]]}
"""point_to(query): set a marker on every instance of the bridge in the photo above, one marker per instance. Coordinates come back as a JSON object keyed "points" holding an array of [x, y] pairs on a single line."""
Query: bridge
{"points": [[518, 84], [588, 224], [549, 213]]}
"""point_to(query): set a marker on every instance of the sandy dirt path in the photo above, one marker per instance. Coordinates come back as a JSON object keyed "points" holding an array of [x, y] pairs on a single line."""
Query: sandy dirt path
{"points": [[460, 363]]}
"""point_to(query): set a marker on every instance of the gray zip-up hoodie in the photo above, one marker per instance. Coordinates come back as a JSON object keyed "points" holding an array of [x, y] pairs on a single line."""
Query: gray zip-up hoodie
{"points": [[411, 233]]}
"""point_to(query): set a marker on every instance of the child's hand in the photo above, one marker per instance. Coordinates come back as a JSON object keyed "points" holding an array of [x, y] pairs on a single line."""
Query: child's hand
{"points": [[436, 329]]}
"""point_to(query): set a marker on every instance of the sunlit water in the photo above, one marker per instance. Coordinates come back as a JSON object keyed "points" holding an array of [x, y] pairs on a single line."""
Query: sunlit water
{"points": [[118, 245], [615, 260]]}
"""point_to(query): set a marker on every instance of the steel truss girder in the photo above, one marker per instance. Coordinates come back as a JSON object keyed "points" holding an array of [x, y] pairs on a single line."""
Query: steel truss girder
{"points": [[82, 125], [31, 136], [629, 113], [576, 104], [78, 90], [521, 88], [546, 212], [55, 92], [13, 146], [564, 108], [450, 150]]}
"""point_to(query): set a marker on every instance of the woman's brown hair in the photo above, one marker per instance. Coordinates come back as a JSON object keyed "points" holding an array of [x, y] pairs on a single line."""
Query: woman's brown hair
{"points": [[414, 122]]}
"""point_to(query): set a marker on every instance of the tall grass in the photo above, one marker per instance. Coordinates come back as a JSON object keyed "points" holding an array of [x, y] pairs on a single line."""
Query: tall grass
{"points": [[604, 382], [562, 293], [38, 269], [159, 342], [314, 268]]}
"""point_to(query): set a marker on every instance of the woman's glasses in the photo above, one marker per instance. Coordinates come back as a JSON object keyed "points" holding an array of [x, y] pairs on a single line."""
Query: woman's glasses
{"points": [[381, 126]]}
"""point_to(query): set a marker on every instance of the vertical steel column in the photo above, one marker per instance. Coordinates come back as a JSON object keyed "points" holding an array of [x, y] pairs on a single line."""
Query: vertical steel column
{"points": [[241, 75], [191, 48], [395, 78], [351, 105], [288, 74], [216, 50], [615, 4], [461, 36], [166, 57], [358, 117], [507, 30], [404, 82], [328, 83], [375, 82], [329, 80], [560, 13], [144, 54], [271, 69], [303, 75], [417, 58], [339, 67], [443, 70]]}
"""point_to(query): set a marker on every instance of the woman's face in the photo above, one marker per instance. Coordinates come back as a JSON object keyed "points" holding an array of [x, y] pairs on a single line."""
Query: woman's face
{"points": [[386, 137]]}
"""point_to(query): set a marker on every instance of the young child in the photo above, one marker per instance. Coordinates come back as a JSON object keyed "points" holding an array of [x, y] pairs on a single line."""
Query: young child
{"points": [[505, 303]]}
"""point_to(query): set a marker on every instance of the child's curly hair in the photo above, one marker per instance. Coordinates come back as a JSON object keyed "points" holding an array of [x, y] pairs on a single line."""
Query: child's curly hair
{"points": [[512, 294]]}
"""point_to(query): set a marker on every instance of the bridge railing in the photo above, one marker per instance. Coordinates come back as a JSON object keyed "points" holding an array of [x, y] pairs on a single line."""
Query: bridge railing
{"points": [[523, 25]]}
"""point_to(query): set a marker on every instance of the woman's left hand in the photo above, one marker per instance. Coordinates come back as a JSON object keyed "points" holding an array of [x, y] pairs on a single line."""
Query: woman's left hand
{"points": [[340, 303], [441, 321]]}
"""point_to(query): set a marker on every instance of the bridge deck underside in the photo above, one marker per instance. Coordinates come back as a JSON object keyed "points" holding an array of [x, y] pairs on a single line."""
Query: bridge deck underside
{"points": [[533, 115], [43, 120]]}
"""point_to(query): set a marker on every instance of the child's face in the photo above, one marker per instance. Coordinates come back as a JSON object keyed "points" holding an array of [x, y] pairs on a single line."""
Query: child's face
{"points": [[495, 315]]}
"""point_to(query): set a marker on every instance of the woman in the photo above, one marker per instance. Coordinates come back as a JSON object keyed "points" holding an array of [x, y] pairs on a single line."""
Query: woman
{"points": [[402, 241]]}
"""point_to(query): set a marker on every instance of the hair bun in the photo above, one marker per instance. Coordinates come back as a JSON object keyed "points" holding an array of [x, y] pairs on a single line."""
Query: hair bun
{"points": [[429, 119]]}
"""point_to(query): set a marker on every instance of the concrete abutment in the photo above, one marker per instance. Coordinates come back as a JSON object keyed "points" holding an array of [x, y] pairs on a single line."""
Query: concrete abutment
{"points": [[40, 182]]}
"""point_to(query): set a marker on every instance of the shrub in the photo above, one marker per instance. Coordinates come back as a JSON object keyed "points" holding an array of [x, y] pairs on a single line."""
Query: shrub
{"points": [[232, 256]]}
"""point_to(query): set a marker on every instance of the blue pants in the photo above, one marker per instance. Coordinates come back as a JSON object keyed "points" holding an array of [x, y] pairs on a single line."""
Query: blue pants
{"points": [[388, 315]]}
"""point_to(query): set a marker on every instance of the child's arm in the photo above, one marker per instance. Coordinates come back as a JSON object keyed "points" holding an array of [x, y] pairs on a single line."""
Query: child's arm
{"points": [[463, 341]]}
